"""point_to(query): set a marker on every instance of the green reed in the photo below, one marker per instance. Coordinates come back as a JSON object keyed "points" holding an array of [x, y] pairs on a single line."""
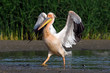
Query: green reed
{"points": [[17, 18]]}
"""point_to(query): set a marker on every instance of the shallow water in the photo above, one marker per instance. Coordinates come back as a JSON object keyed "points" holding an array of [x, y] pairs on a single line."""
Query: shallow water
{"points": [[80, 59]]}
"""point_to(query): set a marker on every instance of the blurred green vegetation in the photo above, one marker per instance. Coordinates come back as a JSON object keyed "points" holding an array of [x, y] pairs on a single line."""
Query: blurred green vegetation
{"points": [[17, 17]]}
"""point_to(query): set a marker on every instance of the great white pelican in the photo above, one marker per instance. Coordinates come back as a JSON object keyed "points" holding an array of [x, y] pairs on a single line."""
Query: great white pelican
{"points": [[68, 36]]}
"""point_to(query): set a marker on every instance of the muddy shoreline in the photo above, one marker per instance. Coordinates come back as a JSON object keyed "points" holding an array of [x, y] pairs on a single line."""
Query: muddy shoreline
{"points": [[12, 45], [21, 69]]}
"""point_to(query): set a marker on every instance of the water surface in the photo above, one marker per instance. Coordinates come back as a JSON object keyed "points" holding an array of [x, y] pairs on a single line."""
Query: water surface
{"points": [[80, 59]]}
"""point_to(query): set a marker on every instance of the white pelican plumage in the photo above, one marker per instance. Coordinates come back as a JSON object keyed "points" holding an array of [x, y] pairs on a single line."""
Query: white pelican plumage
{"points": [[69, 35]]}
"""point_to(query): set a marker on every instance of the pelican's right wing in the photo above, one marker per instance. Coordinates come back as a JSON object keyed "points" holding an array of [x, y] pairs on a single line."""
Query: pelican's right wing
{"points": [[71, 33], [40, 19]]}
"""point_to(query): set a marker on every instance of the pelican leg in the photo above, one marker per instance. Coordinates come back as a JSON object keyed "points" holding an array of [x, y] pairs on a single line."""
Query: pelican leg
{"points": [[44, 63], [64, 61]]}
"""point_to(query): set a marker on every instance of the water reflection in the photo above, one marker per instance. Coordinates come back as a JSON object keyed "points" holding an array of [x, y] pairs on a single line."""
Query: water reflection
{"points": [[80, 59]]}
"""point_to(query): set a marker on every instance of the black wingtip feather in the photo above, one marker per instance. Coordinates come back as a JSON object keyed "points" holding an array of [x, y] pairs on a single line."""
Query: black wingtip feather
{"points": [[78, 29]]}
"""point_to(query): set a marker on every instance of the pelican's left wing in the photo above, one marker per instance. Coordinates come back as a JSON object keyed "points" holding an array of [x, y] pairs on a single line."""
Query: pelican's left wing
{"points": [[71, 33]]}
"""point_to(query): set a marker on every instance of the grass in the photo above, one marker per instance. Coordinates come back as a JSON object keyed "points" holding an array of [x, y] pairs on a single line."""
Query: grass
{"points": [[17, 18]]}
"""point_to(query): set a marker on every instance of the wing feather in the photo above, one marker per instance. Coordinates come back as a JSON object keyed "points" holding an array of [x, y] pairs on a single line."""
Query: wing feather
{"points": [[41, 18], [71, 33]]}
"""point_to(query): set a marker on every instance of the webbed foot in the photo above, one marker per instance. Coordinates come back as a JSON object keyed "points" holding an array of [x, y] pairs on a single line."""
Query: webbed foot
{"points": [[44, 64]]}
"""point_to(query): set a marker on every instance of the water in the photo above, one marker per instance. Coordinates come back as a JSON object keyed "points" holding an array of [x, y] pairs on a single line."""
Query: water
{"points": [[80, 59]]}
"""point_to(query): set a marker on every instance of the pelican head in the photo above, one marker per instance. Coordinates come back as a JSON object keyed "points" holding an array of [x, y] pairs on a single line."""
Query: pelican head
{"points": [[41, 18], [50, 17]]}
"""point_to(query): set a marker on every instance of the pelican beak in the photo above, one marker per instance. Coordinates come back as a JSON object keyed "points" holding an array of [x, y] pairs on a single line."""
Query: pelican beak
{"points": [[46, 21]]}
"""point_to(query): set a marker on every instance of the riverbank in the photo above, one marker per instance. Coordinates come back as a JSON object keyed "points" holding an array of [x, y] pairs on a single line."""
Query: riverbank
{"points": [[19, 45]]}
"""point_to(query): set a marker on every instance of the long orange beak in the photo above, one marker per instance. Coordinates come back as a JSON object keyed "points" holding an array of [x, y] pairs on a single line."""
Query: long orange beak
{"points": [[46, 21]]}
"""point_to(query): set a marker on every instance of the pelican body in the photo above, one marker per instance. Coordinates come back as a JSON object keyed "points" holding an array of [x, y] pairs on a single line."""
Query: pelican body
{"points": [[69, 35]]}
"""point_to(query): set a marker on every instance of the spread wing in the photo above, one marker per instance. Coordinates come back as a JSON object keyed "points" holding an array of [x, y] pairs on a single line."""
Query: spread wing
{"points": [[71, 33], [41, 18]]}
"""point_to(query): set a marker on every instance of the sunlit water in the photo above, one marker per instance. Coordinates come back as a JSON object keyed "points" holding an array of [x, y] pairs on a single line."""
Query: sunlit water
{"points": [[80, 59]]}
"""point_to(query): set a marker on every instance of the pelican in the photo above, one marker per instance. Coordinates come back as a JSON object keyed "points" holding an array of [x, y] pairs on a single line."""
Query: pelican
{"points": [[68, 36]]}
